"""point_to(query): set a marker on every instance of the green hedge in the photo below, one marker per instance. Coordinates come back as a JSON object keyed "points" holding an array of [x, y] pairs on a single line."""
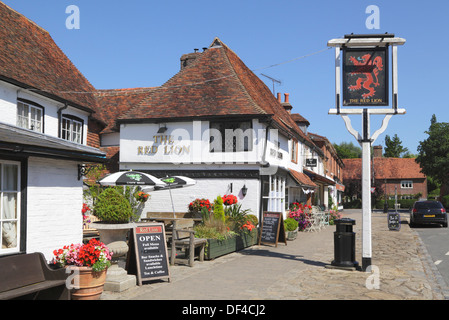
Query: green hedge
{"points": [[405, 203], [445, 201]]}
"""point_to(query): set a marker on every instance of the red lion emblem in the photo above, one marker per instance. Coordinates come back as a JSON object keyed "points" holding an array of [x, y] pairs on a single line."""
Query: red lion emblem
{"points": [[367, 67]]}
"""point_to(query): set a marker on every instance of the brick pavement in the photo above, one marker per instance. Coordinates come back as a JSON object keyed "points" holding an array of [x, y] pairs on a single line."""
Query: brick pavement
{"points": [[402, 269]]}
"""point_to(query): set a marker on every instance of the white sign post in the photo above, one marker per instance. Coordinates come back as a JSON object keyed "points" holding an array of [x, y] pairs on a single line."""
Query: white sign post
{"points": [[366, 139]]}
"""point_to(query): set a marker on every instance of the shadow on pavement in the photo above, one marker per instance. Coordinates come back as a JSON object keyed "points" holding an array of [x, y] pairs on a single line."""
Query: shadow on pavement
{"points": [[268, 253]]}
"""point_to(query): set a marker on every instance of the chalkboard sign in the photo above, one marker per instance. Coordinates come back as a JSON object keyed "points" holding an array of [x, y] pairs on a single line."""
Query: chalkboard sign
{"points": [[272, 228], [147, 257], [394, 221]]}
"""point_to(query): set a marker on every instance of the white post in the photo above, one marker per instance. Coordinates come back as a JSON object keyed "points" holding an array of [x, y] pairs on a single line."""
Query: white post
{"points": [[366, 205]]}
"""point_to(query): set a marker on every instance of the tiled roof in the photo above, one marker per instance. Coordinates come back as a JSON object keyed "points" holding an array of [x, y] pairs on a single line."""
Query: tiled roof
{"points": [[217, 83], [113, 103], [299, 118], [302, 179], [30, 58], [384, 168]]}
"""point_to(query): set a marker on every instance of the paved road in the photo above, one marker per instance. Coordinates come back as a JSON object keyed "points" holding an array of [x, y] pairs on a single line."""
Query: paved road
{"points": [[436, 240]]}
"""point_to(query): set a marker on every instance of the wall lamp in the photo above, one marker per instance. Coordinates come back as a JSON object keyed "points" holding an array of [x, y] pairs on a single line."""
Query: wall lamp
{"points": [[162, 128], [244, 190]]}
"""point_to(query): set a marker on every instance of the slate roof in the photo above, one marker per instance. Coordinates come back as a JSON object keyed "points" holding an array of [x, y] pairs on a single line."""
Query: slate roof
{"points": [[216, 84], [30, 58], [384, 168]]}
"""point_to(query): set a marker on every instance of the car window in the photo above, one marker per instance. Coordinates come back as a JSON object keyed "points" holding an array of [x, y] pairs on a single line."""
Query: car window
{"points": [[428, 205]]}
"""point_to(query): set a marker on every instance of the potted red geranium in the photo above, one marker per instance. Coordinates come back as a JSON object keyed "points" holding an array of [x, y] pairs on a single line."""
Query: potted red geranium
{"points": [[89, 263]]}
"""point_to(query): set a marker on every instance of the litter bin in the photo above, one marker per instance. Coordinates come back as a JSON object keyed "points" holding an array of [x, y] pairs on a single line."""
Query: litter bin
{"points": [[344, 244]]}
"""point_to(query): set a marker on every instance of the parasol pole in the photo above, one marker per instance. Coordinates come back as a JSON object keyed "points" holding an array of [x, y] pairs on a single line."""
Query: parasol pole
{"points": [[171, 198]]}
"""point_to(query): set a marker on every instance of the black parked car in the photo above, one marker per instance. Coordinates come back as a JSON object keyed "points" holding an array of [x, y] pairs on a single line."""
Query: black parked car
{"points": [[424, 212]]}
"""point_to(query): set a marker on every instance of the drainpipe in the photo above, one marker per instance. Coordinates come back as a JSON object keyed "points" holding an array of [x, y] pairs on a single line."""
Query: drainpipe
{"points": [[264, 164]]}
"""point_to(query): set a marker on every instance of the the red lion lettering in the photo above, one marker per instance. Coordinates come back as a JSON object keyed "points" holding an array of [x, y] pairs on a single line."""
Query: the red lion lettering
{"points": [[366, 71]]}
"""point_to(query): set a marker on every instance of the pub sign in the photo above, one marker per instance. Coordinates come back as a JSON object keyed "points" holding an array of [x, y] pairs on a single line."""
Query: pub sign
{"points": [[365, 76], [311, 162]]}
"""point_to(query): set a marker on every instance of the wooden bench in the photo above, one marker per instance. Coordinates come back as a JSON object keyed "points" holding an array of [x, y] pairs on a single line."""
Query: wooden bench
{"points": [[28, 277], [183, 237]]}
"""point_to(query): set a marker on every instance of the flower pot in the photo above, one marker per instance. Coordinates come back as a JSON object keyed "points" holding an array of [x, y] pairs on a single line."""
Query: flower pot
{"points": [[114, 236], [291, 235], [87, 284]]}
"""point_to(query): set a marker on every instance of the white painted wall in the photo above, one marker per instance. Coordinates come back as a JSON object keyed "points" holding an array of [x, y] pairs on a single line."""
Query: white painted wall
{"points": [[8, 109], [208, 189], [54, 202]]}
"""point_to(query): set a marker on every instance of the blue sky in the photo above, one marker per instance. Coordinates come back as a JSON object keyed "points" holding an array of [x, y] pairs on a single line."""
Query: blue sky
{"points": [[138, 43]]}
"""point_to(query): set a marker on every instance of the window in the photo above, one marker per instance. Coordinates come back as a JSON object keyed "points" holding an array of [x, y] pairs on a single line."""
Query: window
{"points": [[273, 194], [231, 136], [9, 207], [30, 116], [406, 184], [72, 129], [294, 155]]}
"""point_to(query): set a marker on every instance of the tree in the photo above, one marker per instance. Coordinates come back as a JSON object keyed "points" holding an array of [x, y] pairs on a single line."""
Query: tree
{"points": [[433, 156], [347, 150], [393, 147]]}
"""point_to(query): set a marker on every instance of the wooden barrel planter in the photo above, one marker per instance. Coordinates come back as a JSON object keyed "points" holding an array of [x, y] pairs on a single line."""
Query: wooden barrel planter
{"points": [[88, 285]]}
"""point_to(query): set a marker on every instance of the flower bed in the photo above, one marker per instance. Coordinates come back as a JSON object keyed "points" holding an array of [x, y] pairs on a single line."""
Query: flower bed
{"points": [[216, 248]]}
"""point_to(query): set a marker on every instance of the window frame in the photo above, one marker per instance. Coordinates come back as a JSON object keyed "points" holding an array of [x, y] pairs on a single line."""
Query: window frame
{"points": [[30, 104], [18, 206], [406, 184], [224, 126], [71, 119], [274, 193], [294, 151]]}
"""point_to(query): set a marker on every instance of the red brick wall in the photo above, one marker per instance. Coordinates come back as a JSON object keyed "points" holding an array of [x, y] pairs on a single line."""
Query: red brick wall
{"points": [[419, 186]]}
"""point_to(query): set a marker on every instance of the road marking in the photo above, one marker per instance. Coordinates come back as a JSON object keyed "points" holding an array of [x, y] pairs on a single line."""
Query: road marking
{"points": [[447, 253], [438, 262]]}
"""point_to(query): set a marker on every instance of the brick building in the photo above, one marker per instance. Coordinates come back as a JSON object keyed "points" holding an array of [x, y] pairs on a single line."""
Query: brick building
{"points": [[401, 175]]}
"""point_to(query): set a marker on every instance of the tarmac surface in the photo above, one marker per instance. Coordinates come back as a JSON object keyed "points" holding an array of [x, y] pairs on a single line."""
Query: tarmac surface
{"points": [[402, 270]]}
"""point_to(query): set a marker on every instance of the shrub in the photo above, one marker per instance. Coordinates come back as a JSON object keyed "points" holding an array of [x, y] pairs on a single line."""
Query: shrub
{"points": [[290, 224], [253, 219], [445, 201], [112, 207], [218, 209]]}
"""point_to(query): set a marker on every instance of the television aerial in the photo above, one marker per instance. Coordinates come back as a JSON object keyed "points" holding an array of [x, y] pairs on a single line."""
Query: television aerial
{"points": [[274, 81]]}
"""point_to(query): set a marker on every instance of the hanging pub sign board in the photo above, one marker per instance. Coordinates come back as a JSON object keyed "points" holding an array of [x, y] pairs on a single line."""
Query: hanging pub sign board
{"points": [[147, 257], [272, 229], [394, 221], [365, 76], [311, 162]]}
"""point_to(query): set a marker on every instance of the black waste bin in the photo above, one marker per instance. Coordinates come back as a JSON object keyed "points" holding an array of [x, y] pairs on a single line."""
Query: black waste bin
{"points": [[344, 244]]}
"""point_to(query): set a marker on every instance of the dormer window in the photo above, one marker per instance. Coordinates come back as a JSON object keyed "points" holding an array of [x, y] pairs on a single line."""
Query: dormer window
{"points": [[72, 128], [30, 116]]}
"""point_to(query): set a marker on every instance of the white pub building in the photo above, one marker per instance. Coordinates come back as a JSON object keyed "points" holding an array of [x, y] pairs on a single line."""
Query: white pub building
{"points": [[216, 122]]}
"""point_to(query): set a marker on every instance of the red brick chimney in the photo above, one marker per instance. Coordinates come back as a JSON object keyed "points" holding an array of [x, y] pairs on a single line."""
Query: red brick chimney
{"points": [[377, 151], [286, 104]]}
